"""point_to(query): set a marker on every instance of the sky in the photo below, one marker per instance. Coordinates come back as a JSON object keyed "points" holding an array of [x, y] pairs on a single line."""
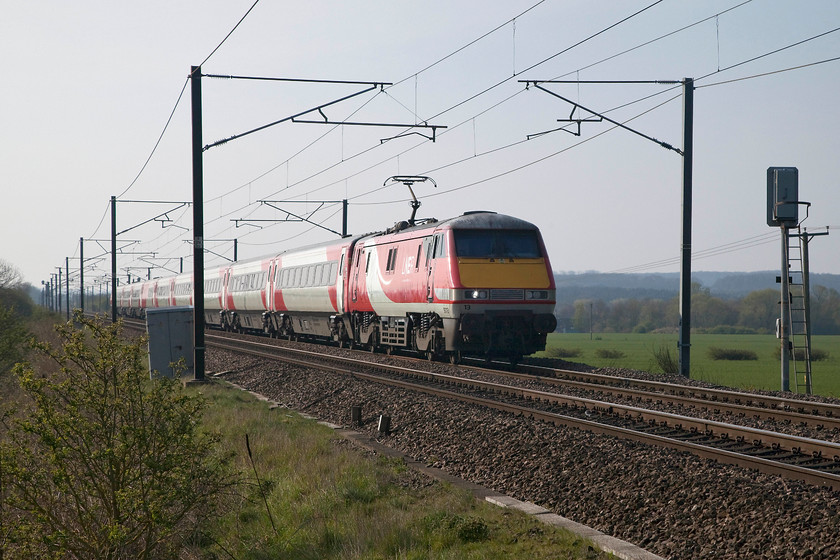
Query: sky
{"points": [[91, 89]]}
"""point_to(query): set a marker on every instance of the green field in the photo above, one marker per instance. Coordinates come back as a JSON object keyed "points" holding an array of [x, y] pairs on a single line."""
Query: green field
{"points": [[635, 351]]}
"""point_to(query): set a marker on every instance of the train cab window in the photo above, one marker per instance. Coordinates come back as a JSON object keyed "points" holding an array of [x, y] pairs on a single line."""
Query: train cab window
{"points": [[417, 259], [341, 262], [506, 244], [367, 263]]}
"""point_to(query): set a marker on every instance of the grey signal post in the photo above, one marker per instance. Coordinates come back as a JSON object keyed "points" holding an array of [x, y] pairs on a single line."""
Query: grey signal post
{"points": [[783, 211]]}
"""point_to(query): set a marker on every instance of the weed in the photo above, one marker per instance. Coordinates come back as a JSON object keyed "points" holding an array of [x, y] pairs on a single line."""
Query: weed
{"points": [[558, 352], [664, 360], [607, 354]]}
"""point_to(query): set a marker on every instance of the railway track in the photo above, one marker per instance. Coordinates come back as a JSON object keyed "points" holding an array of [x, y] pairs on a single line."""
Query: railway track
{"points": [[735, 402], [717, 401], [814, 461], [809, 459]]}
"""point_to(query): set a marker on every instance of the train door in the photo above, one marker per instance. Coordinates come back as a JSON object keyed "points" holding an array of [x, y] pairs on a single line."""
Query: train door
{"points": [[431, 251], [225, 296], [268, 294], [354, 278], [339, 282]]}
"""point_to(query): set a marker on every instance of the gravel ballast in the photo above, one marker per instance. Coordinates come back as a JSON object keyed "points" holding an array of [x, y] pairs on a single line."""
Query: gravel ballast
{"points": [[674, 504]]}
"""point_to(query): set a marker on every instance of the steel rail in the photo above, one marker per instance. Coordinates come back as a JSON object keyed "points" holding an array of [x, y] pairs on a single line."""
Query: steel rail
{"points": [[778, 442], [674, 394], [820, 415], [768, 402]]}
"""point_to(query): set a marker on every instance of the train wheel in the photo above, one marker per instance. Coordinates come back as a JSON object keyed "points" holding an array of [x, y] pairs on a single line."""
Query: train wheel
{"points": [[455, 357], [430, 355], [389, 350]]}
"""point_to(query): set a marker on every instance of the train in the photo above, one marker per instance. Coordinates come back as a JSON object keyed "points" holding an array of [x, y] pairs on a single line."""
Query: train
{"points": [[479, 284]]}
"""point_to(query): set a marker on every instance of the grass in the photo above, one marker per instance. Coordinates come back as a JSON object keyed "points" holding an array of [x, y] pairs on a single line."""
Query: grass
{"points": [[327, 499], [763, 373]]}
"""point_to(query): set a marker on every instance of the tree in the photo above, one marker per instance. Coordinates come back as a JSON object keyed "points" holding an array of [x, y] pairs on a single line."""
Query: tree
{"points": [[825, 311], [12, 338], [105, 463], [760, 309], [10, 276]]}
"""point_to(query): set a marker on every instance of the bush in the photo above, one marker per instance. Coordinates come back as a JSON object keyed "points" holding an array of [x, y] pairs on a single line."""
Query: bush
{"points": [[452, 526], [558, 352], [103, 462], [818, 355], [731, 354], [608, 354]]}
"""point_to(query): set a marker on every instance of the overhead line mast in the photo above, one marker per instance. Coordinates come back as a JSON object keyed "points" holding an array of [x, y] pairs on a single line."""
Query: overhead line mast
{"points": [[687, 153], [198, 177]]}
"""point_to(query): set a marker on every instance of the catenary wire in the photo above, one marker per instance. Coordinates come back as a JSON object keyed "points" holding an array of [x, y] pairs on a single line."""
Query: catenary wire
{"points": [[452, 128], [486, 90]]}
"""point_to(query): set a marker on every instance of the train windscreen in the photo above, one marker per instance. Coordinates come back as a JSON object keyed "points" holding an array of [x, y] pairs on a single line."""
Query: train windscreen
{"points": [[497, 244]]}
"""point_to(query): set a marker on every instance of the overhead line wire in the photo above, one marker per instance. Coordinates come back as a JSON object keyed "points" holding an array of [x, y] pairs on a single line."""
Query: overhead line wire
{"points": [[555, 55], [836, 58], [590, 37], [471, 43], [452, 128], [733, 246], [230, 33], [658, 93], [390, 96], [169, 120], [519, 168], [796, 44]]}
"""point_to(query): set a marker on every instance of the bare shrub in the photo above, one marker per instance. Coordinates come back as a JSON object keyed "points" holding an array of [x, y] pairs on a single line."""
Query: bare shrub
{"points": [[663, 358]]}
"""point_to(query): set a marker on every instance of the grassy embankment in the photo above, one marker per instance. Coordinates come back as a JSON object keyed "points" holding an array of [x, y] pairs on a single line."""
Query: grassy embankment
{"points": [[330, 500], [636, 351]]}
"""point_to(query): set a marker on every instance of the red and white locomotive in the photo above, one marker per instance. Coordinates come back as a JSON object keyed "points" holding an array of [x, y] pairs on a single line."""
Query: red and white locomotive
{"points": [[479, 284]]}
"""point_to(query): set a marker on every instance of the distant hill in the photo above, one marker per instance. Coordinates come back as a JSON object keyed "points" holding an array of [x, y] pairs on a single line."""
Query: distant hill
{"points": [[725, 285]]}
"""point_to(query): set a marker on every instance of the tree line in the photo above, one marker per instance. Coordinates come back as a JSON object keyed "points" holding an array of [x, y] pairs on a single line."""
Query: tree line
{"points": [[755, 313]]}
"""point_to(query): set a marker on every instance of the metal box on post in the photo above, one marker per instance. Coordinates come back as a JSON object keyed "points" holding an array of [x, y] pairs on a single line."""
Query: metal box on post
{"points": [[170, 333], [782, 196]]}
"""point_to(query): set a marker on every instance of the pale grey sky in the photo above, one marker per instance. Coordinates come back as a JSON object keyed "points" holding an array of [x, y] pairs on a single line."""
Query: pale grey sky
{"points": [[88, 87]]}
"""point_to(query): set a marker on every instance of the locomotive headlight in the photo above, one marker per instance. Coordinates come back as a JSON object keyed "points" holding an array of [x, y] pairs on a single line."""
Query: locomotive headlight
{"points": [[536, 294], [475, 294]]}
